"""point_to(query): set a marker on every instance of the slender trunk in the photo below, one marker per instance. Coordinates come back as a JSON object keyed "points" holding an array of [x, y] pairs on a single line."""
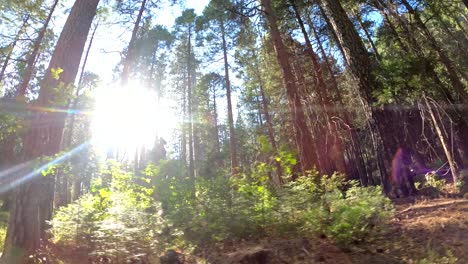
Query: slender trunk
{"points": [[443, 142], [359, 63], [335, 150], [190, 104], [461, 45], [13, 45], [30, 63], [183, 151], [444, 59], [29, 200], [333, 33], [271, 134], [302, 135], [215, 116], [259, 108], [130, 59], [90, 44], [268, 120], [232, 137], [367, 34], [355, 144]]}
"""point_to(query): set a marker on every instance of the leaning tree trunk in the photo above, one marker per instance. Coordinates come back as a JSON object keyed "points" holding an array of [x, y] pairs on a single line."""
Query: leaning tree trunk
{"points": [[302, 135], [358, 17], [13, 45], [354, 140], [359, 63], [335, 149], [443, 141], [44, 136], [30, 63]]}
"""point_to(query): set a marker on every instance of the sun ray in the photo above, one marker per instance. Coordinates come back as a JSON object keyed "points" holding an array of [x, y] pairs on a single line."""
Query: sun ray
{"points": [[38, 171]]}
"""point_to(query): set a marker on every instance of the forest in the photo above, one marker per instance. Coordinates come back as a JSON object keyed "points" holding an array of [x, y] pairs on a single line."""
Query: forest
{"points": [[233, 131]]}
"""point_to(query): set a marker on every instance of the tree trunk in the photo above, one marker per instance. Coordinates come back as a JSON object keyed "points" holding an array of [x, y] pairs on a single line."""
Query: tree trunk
{"points": [[335, 150], [183, 147], [443, 142], [367, 34], [130, 58], [28, 215], [190, 104], [30, 63], [354, 140], [270, 129], [359, 63], [13, 45], [232, 136], [302, 135]]}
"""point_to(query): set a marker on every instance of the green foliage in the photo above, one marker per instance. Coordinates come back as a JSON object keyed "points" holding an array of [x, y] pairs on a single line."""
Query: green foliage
{"points": [[75, 223], [358, 213], [129, 229], [55, 72], [432, 185], [247, 206], [333, 206], [119, 219]]}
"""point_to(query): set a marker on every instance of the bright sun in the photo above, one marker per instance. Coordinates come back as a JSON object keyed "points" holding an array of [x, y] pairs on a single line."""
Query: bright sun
{"points": [[128, 118]]}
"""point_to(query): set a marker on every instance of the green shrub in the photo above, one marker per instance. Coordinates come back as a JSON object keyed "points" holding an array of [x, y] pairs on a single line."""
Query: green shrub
{"points": [[75, 223], [333, 206], [119, 219], [358, 213], [129, 230]]}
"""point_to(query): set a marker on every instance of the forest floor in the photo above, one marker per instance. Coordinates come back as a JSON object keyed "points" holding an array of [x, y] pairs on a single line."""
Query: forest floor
{"points": [[423, 232]]}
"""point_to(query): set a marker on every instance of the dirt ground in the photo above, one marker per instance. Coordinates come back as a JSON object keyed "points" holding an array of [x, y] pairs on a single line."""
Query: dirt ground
{"points": [[423, 232]]}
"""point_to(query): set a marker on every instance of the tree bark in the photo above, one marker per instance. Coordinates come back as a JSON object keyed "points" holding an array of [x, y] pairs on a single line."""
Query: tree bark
{"points": [[335, 150], [302, 135], [28, 216], [232, 136], [359, 63]]}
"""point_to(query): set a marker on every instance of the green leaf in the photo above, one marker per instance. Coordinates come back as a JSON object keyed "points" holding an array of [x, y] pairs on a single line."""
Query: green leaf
{"points": [[56, 72]]}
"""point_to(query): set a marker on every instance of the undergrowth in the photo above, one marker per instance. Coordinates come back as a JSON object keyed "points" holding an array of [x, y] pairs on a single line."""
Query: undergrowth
{"points": [[127, 216]]}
